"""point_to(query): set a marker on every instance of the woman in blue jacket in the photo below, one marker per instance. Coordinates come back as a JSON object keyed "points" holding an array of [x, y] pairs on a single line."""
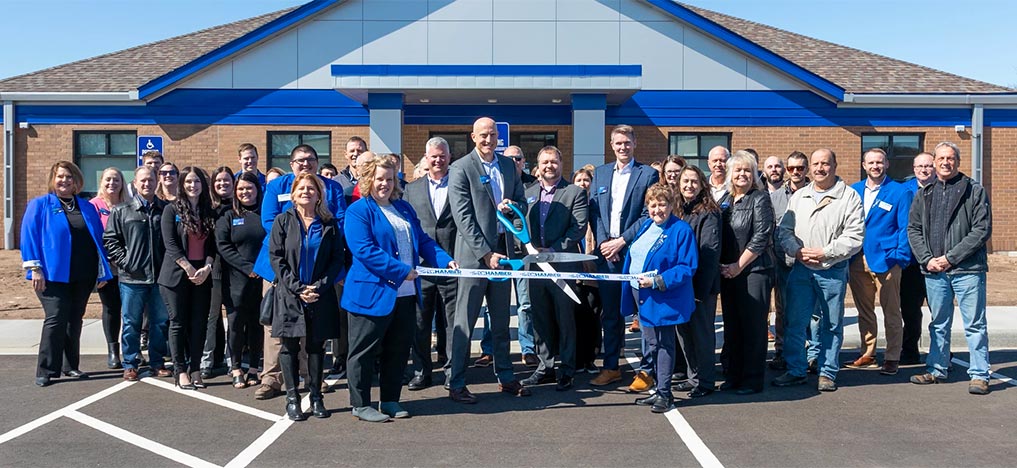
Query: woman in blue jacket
{"points": [[664, 244], [385, 239], [62, 251]]}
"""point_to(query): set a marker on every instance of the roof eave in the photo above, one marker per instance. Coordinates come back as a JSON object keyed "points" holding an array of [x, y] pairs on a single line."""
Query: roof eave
{"points": [[946, 99], [122, 96]]}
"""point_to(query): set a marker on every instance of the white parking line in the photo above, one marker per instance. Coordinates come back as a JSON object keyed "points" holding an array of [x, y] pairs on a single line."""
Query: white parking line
{"points": [[138, 441], [999, 377], [25, 428], [695, 444], [260, 444], [214, 400]]}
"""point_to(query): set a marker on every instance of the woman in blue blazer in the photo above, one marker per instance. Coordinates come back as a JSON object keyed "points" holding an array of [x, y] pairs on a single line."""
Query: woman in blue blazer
{"points": [[667, 245], [62, 251], [385, 239]]}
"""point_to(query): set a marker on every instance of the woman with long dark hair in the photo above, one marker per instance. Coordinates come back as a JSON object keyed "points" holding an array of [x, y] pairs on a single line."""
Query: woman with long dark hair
{"points": [[213, 358], [239, 235], [112, 192], [188, 231]]}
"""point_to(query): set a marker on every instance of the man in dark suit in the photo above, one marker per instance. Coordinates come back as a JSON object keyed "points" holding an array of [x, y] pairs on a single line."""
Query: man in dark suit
{"points": [[479, 184], [616, 213], [428, 196], [557, 222]]}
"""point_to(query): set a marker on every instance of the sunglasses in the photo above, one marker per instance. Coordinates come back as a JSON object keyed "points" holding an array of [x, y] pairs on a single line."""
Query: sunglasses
{"points": [[168, 173], [517, 158], [795, 168]]}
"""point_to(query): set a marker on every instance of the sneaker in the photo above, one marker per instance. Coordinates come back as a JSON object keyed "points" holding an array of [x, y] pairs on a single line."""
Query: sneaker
{"points": [[485, 360], [788, 379], [606, 376], [978, 387], [926, 379], [826, 384], [266, 392], [131, 374], [369, 414], [641, 383], [890, 367], [394, 410], [863, 362]]}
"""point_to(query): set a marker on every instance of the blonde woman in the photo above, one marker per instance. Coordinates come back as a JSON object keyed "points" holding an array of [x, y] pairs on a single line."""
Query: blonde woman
{"points": [[112, 192]]}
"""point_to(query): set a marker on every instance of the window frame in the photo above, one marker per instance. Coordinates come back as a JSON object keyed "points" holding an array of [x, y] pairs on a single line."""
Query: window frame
{"points": [[894, 160], [270, 157], [531, 156], [78, 157], [700, 160]]}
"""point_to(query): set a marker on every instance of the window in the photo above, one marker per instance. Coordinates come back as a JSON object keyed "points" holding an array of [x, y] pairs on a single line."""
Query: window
{"points": [[900, 149], [695, 147], [94, 151], [459, 144], [280, 145], [531, 143]]}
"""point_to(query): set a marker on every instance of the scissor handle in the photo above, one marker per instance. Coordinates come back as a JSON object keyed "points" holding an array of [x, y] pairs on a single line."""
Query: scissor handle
{"points": [[522, 233], [513, 264]]}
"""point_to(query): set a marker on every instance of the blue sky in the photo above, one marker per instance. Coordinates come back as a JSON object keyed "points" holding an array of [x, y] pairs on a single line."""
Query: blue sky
{"points": [[973, 38]]}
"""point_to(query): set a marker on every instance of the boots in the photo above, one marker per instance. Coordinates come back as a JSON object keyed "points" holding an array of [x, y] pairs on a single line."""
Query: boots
{"points": [[113, 360], [291, 379], [293, 410], [315, 362]]}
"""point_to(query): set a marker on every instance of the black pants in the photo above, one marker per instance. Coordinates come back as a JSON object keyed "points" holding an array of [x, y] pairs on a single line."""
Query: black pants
{"points": [[109, 295], [187, 305], [383, 338], [554, 321], [64, 305], [912, 295], [587, 314], [745, 304], [245, 332], [698, 339], [439, 306], [289, 362], [214, 352], [341, 345]]}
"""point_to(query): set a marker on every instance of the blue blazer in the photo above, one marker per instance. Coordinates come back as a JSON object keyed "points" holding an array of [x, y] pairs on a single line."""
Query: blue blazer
{"points": [[46, 238], [675, 257], [376, 273], [633, 211], [886, 226]]}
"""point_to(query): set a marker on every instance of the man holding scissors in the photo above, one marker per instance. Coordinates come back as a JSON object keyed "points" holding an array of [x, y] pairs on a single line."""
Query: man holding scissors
{"points": [[479, 185]]}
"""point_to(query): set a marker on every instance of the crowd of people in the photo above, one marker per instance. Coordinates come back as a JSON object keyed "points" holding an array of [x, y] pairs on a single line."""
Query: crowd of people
{"points": [[322, 258]]}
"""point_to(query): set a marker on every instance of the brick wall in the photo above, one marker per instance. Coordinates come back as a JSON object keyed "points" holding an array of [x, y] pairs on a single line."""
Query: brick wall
{"points": [[1000, 151]]}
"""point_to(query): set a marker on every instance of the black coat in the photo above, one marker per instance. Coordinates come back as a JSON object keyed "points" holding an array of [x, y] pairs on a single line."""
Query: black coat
{"points": [[292, 318], [706, 226], [748, 225], [174, 235], [239, 240]]}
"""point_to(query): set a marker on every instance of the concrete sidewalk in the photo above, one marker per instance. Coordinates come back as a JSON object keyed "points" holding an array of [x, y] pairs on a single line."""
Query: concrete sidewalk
{"points": [[21, 337]]}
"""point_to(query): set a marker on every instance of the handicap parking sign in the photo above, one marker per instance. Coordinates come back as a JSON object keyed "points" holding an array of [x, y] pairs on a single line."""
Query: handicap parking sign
{"points": [[503, 135], [148, 143]]}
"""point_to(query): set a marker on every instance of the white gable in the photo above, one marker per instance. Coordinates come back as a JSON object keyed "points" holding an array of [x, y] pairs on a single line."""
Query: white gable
{"points": [[673, 55]]}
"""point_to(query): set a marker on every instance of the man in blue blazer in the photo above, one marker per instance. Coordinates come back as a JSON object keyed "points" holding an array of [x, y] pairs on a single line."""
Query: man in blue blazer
{"points": [[616, 213], [877, 268]]}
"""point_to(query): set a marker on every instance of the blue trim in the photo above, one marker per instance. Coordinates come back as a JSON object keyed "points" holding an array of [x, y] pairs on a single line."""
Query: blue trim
{"points": [[751, 48], [589, 101], [234, 46], [1000, 118], [385, 100], [487, 70], [465, 115]]}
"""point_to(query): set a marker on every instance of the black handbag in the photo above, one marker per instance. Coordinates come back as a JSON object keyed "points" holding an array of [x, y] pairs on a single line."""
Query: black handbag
{"points": [[267, 306]]}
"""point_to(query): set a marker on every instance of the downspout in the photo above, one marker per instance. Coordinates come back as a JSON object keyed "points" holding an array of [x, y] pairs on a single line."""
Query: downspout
{"points": [[977, 127], [10, 126]]}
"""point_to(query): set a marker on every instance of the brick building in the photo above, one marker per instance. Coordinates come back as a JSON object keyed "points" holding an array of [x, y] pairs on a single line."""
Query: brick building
{"points": [[558, 71]]}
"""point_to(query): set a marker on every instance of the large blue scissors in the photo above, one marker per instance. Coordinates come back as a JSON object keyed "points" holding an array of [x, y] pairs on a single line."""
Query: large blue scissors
{"points": [[523, 234]]}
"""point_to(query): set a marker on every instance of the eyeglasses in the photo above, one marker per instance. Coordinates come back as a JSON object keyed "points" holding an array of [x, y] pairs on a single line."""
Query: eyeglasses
{"points": [[924, 166], [303, 161], [168, 173], [795, 168]]}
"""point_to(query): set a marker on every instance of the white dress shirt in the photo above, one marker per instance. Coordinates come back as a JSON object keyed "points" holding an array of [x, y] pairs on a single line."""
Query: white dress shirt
{"points": [[619, 182]]}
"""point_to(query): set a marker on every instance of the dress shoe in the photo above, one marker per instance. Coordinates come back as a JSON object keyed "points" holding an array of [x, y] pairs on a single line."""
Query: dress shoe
{"points": [[728, 385], [641, 382], [679, 376], [747, 391], [663, 404], [788, 379], [926, 379], [266, 392], [647, 401], [394, 410], [863, 362], [531, 360], [813, 367], [826, 384], [131, 374], [43, 381], [978, 387], [683, 386], [293, 411], [76, 374], [369, 414], [199, 382], [485, 360], [419, 382], [564, 383], [462, 395], [163, 372], [778, 363], [890, 367], [634, 328], [605, 377], [206, 373], [183, 386], [540, 378], [699, 392], [318, 408], [514, 388]]}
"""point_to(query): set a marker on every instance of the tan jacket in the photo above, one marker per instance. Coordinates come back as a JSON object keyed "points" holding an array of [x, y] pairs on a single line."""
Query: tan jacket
{"points": [[832, 220]]}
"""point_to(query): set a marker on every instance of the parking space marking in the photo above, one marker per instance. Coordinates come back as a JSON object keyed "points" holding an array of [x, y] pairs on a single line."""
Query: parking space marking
{"points": [[999, 377], [214, 400], [139, 441], [28, 427], [688, 435], [260, 444]]}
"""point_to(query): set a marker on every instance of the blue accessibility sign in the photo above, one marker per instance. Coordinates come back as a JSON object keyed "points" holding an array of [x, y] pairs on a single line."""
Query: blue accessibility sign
{"points": [[503, 135], [148, 143]]}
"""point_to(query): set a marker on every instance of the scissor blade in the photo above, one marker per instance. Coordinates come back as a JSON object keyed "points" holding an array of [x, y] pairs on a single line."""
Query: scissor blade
{"points": [[557, 257], [547, 268]]}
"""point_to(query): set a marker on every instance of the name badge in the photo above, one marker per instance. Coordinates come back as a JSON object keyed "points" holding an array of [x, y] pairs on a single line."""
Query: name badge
{"points": [[284, 197], [531, 200], [602, 190], [104, 211], [238, 221], [177, 218], [485, 179], [886, 206]]}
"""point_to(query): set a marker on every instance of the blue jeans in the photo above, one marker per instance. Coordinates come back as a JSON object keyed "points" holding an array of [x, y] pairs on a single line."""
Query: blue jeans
{"points": [[812, 288], [524, 329], [969, 289], [135, 297]]}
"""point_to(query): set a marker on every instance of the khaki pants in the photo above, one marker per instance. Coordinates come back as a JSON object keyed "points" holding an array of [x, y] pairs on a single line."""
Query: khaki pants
{"points": [[865, 285], [271, 373]]}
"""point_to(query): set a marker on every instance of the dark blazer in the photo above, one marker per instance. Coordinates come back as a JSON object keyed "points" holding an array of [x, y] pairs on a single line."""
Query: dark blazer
{"points": [[292, 317], [565, 225], [707, 228], [633, 211], [748, 225], [473, 206], [175, 238], [442, 229]]}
